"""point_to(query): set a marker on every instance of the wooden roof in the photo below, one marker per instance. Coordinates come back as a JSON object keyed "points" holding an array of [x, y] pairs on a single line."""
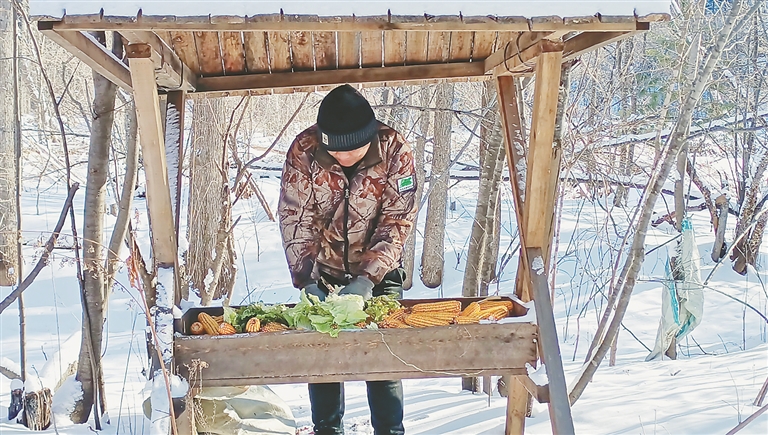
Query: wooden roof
{"points": [[284, 53]]}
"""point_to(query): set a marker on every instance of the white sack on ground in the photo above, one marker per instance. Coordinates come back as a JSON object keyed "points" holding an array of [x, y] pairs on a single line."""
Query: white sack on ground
{"points": [[254, 409], [249, 410], [682, 300]]}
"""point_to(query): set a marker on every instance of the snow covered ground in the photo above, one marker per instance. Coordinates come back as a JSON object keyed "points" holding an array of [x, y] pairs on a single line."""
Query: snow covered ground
{"points": [[709, 389]]}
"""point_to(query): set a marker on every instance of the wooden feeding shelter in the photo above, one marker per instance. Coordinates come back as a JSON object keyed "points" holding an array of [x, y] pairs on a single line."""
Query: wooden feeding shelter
{"points": [[184, 49]]}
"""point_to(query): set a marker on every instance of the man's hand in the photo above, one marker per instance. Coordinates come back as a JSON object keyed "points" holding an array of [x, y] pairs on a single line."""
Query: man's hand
{"points": [[314, 289], [359, 286]]}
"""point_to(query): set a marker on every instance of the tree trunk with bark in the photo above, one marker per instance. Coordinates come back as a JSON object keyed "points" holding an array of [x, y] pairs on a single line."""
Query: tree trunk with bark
{"points": [[636, 254], [207, 210], [484, 243], [8, 230], [120, 230], [89, 371], [418, 161], [432, 256], [491, 163]]}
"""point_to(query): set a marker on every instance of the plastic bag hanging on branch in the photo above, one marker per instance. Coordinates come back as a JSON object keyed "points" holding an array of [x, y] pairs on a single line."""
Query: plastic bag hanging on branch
{"points": [[682, 297]]}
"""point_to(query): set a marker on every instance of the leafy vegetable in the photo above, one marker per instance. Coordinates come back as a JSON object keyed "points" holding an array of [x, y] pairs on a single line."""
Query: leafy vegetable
{"points": [[265, 314], [330, 316], [379, 307]]}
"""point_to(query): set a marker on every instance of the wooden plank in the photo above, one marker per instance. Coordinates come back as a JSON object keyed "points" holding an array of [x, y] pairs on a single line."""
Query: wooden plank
{"points": [[438, 47], [539, 392], [208, 53], [402, 23], [371, 49], [335, 77], [559, 405], [325, 50], [91, 53], [152, 147], [585, 42], [302, 356], [301, 51], [232, 52], [539, 159], [256, 57], [416, 47], [279, 51], [349, 49], [394, 48], [514, 146], [482, 45], [517, 406], [184, 46], [461, 47], [170, 71]]}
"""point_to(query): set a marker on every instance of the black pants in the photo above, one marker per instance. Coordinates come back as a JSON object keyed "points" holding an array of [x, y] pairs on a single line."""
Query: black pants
{"points": [[385, 398]]}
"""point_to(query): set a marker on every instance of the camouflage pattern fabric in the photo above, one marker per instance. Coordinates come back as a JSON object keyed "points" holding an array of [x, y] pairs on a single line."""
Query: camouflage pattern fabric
{"points": [[326, 219]]}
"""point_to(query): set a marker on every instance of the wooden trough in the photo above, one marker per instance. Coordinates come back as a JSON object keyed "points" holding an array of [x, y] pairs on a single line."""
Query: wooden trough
{"points": [[263, 47], [362, 355]]}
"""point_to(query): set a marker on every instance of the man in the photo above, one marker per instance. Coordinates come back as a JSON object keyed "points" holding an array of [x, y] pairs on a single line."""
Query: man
{"points": [[347, 205]]}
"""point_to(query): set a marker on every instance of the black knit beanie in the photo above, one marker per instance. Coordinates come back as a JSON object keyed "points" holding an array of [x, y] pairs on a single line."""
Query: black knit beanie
{"points": [[345, 120]]}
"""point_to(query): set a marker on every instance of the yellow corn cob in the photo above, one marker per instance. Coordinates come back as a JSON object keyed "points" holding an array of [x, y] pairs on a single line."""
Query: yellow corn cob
{"points": [[509, 305], [463, 320], [253, 325], [398, 314], [274, 327], [210, 325], [197, 328], [421, 320], [471, 310], [226, 329], [442, 306], [494, 313], [393, 323]]}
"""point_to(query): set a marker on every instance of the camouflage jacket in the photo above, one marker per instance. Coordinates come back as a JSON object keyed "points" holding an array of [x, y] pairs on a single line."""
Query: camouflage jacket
{"points": [[344, 227]]}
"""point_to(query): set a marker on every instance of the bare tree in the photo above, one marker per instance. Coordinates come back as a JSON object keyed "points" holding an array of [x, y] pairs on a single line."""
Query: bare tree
{"points": [[209, 266], [8, 231], [432, 256], [89, 371], [636, 254], [418, 161]]}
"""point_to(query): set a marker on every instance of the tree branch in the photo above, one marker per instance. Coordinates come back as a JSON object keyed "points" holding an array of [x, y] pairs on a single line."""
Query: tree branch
{"points": [[43, 261]]}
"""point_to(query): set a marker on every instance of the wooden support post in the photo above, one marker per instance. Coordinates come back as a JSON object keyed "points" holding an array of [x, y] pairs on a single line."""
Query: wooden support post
{"points": [[517, 395], [164, 252], [153, 150], [534, 176], [559, 405]]}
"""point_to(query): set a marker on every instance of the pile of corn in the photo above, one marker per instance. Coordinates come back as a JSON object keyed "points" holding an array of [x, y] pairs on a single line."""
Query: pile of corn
{"points": [[445, 313], [215, 325]]}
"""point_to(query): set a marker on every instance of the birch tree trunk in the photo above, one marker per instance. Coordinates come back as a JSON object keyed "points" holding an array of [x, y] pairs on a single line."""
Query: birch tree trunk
{"points": [[119, 231], [432, 256], [491, 162], [418, 161], [206, 211], [89, 362], [636, 254], [8, 234]]}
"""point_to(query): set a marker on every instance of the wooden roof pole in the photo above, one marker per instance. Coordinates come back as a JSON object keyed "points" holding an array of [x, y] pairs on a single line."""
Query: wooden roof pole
{"points": [[90, 52]]}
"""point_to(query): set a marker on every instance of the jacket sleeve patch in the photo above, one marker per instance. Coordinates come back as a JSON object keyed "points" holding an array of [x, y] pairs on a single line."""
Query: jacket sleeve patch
{"points": [[405, 184]]}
